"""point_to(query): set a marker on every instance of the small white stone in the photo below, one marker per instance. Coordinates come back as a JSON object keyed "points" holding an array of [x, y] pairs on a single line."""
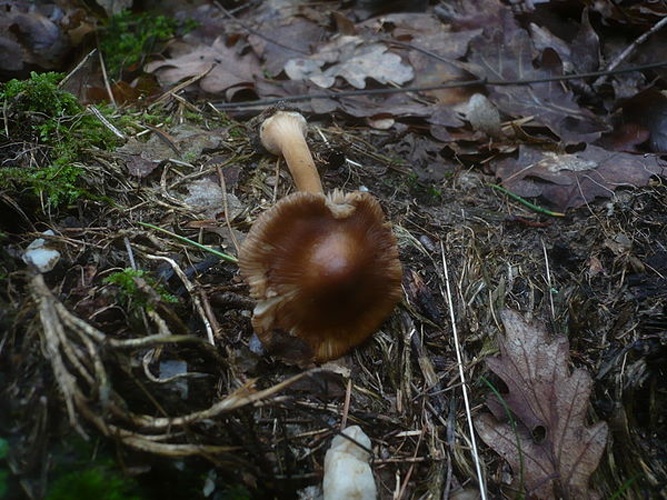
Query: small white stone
{"points": [[347, 473], [38, 255]]}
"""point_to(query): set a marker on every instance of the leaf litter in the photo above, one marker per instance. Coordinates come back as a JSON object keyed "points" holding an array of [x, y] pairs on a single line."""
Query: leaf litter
{"points": [[419, 50]]}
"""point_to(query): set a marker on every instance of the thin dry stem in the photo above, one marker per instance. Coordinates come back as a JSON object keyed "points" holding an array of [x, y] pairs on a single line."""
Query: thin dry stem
{"points": [[464, 389]]}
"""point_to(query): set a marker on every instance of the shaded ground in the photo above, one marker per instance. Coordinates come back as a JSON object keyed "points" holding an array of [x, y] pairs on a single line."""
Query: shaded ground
{"points": [[85, 356]]}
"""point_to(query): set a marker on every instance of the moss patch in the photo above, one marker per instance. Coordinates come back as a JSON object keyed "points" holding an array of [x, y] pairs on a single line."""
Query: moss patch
{"points": [[46, 138]]}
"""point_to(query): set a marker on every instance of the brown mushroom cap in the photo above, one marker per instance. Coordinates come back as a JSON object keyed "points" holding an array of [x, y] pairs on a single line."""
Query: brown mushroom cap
{"points": [[324, 269]]}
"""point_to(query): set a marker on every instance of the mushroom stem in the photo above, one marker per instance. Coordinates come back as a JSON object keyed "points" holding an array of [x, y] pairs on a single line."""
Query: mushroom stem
{"points": [[301, 166], [284, 134]]}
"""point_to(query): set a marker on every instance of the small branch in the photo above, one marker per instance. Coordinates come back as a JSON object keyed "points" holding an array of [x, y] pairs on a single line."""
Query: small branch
{"points": [[451, 85], [630, 49]]}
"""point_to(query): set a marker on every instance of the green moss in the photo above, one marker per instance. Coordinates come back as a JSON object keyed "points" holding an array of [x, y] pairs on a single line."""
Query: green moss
{"points": [[128, 37], [237, 132], [138, 289], [194, 117], [49, 133], [4, 472], [40, 93], [95, 483]]}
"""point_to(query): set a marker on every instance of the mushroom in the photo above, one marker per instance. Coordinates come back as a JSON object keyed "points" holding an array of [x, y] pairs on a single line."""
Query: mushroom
{"points": [[323, 268]]}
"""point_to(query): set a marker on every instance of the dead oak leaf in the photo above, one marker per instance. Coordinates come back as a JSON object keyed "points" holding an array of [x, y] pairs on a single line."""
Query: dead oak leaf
{"points": [[36, 37], [552, 451], [571, 180], [350, 58], [223, 67], [294, 34], [439, 49]]}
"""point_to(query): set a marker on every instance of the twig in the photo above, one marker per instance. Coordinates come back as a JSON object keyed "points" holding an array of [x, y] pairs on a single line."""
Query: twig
{"points": [[225, 207], [172, 92], [105, 77], [106, 122], [346, 404], [130, 253], [411, 469], [450, 85], [83, 61], [193, 296], [630, 49]]}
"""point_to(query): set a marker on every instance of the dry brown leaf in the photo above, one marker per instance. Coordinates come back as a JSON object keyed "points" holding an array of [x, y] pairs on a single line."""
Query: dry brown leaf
{"points": [[32, 37], [552, 451], [571, 180], [432, 49], [220, 66], [353, 60], [294, 34]]}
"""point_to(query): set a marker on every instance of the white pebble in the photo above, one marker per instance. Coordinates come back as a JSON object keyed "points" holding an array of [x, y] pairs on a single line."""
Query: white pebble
{"points": [[347, 473]]}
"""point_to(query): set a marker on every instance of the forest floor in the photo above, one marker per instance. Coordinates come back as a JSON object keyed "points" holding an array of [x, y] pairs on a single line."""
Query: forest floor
{"points": [[128, 364]]}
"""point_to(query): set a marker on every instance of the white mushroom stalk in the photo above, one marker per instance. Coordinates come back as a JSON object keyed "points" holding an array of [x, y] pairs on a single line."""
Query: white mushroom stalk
{"points": [[284, 134]]}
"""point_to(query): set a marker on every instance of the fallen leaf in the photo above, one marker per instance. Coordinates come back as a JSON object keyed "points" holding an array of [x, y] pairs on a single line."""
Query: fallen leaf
{"points": [[426, 162], [292, 35], [355, 61], [32, 37], [220, 66], [139, 166], [571, 180], [550, 448], [432, 49], [586, 47], [645, 114], [184, 141], [10, 60], [205, 196]]}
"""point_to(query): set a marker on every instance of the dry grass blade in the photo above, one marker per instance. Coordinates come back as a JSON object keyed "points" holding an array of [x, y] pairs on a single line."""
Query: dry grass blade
{"points": [[464, 389]]}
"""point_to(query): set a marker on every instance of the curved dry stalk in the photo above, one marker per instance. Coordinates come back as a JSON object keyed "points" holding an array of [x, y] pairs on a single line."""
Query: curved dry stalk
{"points": [[193, 296]]}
